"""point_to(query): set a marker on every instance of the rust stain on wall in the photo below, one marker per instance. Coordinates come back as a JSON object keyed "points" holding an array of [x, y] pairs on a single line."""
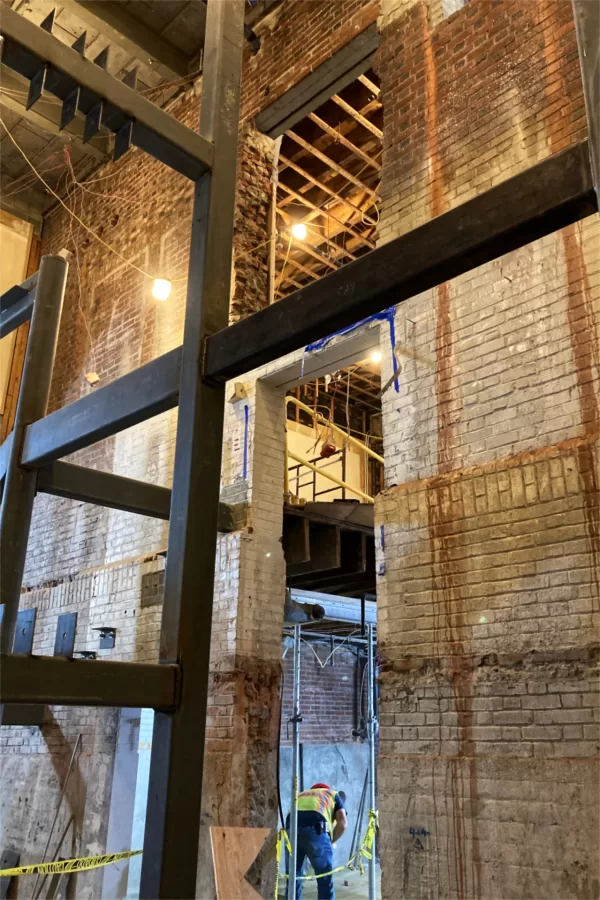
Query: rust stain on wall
{"points": [[580, 315]]}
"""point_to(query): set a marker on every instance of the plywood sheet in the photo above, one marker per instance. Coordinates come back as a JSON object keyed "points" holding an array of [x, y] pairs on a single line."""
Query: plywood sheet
{"points": [[234, 850]]}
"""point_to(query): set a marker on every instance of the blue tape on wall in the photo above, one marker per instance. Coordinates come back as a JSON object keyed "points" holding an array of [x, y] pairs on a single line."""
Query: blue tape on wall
{"points": [[386, 315]]}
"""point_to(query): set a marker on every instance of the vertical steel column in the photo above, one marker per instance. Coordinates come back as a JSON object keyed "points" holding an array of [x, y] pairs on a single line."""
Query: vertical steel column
{"points": [[296, 719], [587, 25], [371, 735], [20, 484], [171, 837]]}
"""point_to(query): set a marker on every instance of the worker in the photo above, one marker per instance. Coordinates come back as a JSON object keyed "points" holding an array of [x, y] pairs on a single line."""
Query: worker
{"points": [[322, 821]]}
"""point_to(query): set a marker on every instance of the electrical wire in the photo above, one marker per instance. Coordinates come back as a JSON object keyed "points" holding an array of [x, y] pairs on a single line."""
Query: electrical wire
{"points": [[64, 205], [335, 649]]}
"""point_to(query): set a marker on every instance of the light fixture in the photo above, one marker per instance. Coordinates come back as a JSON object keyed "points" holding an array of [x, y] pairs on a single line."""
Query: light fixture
{"points": [[376, 356], [161, 289], [299, 231]]}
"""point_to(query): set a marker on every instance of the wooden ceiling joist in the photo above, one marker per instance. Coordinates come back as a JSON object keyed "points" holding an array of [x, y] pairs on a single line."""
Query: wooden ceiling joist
{"points": [[356, 115], [364, 79], [330, 163], [340, 138], [326, 189], [318, 211], [320, 238]]}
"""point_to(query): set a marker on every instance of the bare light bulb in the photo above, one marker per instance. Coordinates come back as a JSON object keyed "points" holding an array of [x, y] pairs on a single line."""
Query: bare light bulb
{"points": [[299, 231], [376, 356], [161, 289]]}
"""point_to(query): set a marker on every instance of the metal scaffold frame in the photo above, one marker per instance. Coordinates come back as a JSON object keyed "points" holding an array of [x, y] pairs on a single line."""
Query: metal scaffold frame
{"points": [[554, 193]]}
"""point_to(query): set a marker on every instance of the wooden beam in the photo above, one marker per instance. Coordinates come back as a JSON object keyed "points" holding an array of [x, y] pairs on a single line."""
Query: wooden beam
{"points": [[126, 31], [370, 84], [342, 139], [297, 265], [321, 238], [326, 214], [359, 118], [326, 189], [346, 126], [330, 163]]}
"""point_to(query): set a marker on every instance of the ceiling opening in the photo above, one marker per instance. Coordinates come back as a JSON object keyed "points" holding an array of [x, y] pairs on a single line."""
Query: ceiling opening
{"points": [[329, 171]]}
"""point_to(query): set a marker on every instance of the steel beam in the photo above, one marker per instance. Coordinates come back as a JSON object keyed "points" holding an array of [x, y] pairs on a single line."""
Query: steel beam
{"points": [[5, 452], [171, 838], [58, 681], [27, 48], [16, 314], [129, 33], [538, 201], [46, 115], [63, 479], [129, 400], [587, 25], [19, 485]]}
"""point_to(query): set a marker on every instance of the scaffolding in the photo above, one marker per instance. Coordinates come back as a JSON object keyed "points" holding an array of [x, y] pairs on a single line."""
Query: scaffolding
{"points": [[555, 193]]}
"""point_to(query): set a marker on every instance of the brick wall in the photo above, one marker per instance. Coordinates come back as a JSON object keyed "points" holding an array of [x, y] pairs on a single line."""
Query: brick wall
{"points": [[330, 693], [111, 325], [488, 605]]}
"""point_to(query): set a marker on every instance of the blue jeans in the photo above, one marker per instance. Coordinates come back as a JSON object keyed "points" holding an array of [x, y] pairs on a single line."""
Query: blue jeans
{"points": [[318, 849]]}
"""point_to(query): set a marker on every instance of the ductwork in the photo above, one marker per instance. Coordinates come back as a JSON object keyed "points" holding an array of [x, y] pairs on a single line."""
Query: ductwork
{"points": [[295, 613]]}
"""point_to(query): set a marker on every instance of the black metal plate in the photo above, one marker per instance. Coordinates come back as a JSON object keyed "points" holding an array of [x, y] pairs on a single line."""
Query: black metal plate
{"points": [[65, 635], [93, 122], [69, 108], [36, 87], [122, 141], [9, 859], [24, 631]]}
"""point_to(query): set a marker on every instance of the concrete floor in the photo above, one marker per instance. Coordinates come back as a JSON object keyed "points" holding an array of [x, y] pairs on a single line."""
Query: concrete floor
{"points": [[348, 886]]}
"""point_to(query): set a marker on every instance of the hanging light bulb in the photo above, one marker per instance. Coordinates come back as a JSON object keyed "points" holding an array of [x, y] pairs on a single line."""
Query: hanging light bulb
{"points": [[161, 289], [376, 356], [299, 231]]}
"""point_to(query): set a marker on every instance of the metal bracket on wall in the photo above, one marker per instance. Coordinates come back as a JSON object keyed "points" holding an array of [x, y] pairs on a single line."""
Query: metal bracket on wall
{"points": [[65, 635], [21, 713], [107, 637]]}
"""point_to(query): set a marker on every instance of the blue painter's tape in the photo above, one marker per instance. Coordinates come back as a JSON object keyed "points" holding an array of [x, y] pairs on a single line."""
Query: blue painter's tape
{"points": [[386, 315], [246, 419]]}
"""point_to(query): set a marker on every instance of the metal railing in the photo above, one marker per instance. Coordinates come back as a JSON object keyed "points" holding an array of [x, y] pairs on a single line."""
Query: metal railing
{"points": [[322, 470]]}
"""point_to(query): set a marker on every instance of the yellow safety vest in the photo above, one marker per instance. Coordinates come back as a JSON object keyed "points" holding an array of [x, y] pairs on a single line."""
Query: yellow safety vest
{"points": [[320, 800]]}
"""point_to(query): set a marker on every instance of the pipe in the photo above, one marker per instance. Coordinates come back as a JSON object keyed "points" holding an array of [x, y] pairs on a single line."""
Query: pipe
{"points": [[331, 477], [371, 736], [347, 437], [299, 613], [295, 720]]}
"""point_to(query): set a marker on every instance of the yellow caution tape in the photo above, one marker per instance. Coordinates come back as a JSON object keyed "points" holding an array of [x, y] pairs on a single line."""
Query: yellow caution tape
{"points": [[365, 849], [80, 864]]}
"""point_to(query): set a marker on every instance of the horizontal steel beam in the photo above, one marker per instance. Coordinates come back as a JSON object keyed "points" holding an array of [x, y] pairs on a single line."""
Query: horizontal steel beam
{"points": [[114, 491], [105, 489], [18, 291], [27, 47], [145, 392], [538, 201], [16, 314], [57, 681]]}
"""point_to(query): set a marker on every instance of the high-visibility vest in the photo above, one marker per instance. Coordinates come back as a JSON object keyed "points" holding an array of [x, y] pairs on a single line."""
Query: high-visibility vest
{"points": [[320, 800]]}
